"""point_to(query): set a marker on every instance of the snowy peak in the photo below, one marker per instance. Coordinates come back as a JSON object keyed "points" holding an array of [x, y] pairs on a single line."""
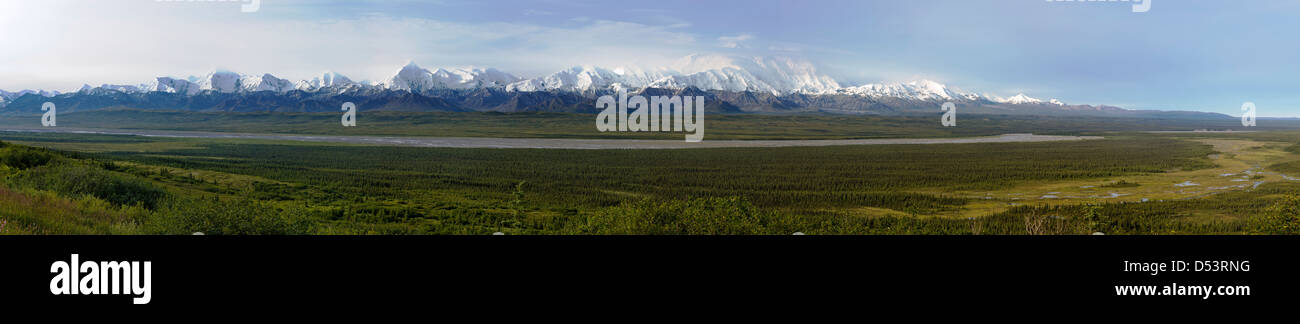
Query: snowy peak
{"points": [[144, 87], [586, 77], [266, 82], [778, 75], [325, 80], [933, 88], [173, 85], [707, 72], [1019, 99], [470, 78], [411, 77], [916, 90], [221, 81], [10, 96], [333, 79], [926, 90], [414, 78]]}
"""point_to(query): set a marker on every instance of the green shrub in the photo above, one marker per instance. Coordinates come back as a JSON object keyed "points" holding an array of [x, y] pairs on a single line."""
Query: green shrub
{"points": [[227, 217], [22, 157], [80, 179], [1120, 184], [1283, 218], [697, 216]]}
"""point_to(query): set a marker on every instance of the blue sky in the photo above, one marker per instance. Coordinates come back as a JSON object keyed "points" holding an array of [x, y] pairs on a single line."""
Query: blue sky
{"points": [[1206, 55]]}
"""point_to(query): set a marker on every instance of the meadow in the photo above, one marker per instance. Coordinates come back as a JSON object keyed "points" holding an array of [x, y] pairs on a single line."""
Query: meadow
{"points": [[571, 125], [180, 186]]}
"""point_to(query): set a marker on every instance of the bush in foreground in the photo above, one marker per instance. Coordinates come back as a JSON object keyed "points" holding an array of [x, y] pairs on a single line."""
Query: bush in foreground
{"points": [[1283, 218], [73, 178], [697, 216], [23, 157], [227, 217]]}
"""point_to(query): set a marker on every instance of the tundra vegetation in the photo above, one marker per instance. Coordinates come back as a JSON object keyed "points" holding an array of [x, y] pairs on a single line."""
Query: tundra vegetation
{"points": [[1127, 183]]}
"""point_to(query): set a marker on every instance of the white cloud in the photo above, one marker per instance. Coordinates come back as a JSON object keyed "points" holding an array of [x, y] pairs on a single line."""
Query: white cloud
{"points": [[737, 41], [66, 43]]}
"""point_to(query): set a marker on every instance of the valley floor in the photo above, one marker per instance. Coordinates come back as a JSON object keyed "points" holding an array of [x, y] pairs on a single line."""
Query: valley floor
{"points": [[552, 143], [582, 126], [1122, 183], [1240, 165]]}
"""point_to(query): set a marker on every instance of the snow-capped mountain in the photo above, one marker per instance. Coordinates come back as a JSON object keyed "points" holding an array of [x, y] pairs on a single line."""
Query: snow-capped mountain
{"points": [[11, 95], [736, 83], [173, 85], [586, 77], [221, 81], [143, 87], [6, 97], [1022, 99], [266, 82], [776, 75], [416, 79], [925, 90], [327, 79]]}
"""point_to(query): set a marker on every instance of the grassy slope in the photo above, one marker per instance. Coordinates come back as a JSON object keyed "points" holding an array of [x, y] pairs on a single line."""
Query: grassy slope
{"points": [[44, 212]]}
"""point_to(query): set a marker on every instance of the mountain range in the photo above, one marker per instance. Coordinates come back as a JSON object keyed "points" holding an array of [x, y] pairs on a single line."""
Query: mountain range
{"points": [[730, 84]]}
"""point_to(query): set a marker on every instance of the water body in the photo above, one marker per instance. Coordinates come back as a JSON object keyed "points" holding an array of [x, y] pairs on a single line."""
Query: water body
{"points": [[555, 143]]}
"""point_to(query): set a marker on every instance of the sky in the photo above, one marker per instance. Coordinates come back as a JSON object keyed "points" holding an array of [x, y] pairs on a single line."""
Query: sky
{"points": [[1205, 55]]}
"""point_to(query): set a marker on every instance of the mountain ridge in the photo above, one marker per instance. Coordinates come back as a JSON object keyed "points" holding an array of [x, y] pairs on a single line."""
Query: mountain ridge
{"points": [[732, 83]]}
